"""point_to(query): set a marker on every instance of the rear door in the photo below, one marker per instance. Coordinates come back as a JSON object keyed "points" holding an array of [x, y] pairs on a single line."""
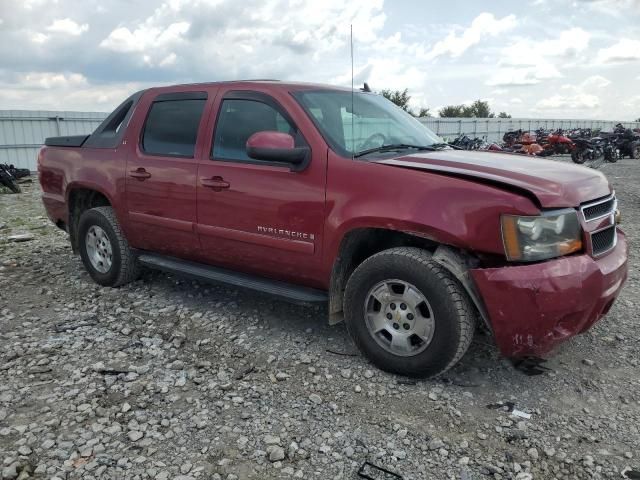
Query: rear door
{"points": [[161, 173], [256, 216]]}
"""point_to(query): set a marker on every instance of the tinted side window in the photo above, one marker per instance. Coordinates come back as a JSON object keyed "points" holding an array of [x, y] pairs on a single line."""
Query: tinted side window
{"points": [[238, 120], [172, 127]]}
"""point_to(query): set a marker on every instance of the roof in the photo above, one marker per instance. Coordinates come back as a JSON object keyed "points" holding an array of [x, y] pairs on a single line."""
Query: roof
{"points": [[289, 86]]}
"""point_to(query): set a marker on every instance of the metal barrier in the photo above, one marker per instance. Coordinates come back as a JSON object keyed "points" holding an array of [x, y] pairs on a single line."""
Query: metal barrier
{"points": [[22, 132], [492, 129]]}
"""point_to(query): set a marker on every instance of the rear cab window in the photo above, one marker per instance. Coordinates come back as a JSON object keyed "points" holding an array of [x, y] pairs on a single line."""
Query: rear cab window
{"points": [[171, 127]]}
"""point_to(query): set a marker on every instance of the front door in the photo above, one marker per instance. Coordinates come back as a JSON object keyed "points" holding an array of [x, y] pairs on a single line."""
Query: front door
{"points": [[161, 173], [256, 216]]}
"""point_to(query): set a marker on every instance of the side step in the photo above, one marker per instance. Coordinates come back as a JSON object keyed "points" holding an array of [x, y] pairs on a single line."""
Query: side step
{"points": [[204, 272]]}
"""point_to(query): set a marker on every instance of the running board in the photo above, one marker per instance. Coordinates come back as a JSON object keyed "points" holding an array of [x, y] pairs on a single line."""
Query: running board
{"points": [[208, 273]]}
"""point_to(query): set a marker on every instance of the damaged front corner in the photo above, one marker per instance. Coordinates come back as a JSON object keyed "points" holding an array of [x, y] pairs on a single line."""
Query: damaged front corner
{"points": [[459, 265]]}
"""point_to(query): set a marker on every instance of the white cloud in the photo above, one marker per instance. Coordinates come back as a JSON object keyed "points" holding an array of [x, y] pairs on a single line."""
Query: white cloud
{"points": [[68, 27], [85, 97], [575, 102], [583, 96], [50, 80], [568, 43], [612, 8], [485, 24], [626, 50], [529, 61], [144, 37], [168, 60], [39, 37], [595, 81], [510, 76], [31, 4]]}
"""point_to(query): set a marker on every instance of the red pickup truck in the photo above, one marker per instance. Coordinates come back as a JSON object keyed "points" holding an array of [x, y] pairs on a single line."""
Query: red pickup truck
{"points": [[322, 194]]}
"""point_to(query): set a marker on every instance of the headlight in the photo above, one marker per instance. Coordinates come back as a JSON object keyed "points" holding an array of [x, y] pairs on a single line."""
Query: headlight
{"points": [[528, 239]]}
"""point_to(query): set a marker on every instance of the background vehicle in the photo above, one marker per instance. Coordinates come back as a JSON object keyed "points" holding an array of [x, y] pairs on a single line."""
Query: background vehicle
{"points": [[8, 180], [627, 141], [557, 143], [586, 149], [321, 194]]}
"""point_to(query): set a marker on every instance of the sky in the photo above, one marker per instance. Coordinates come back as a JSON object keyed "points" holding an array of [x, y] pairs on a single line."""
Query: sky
{"points": [[530, 58]]}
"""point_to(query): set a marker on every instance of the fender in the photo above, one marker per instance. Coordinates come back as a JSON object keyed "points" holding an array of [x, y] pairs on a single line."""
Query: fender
{"points": [[458, 212]]}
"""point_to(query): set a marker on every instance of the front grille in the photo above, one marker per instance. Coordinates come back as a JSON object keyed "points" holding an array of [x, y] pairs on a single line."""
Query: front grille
{"points": [[604, 240], [599, 209]]}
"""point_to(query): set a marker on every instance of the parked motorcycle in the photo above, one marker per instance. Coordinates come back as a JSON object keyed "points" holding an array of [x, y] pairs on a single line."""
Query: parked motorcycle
{"points": [[8, 180], [611, 152], [628, 141], [586, 149], [467, 143], [557, 143], [16, 172]]}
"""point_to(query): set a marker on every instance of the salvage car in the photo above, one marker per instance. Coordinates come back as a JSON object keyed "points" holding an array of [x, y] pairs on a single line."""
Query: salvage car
{"points": [[316, 193]]}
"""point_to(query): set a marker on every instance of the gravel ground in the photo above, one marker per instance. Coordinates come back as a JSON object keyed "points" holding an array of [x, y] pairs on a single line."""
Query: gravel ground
{"points": [[168, 378]]}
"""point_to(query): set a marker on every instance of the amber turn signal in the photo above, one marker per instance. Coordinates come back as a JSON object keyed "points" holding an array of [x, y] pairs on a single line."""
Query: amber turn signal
{"points": [[510, 237]]}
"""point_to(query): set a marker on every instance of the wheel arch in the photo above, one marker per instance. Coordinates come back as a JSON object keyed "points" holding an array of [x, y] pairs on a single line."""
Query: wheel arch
{"points": [[79, 198], [361, 243]]}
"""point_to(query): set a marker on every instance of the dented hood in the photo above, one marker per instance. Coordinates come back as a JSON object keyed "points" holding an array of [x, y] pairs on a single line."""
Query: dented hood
{"points": [[555, 184]]}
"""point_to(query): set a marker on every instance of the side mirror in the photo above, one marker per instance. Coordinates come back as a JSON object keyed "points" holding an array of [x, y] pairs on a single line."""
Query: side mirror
{"points": [[274, 146]]}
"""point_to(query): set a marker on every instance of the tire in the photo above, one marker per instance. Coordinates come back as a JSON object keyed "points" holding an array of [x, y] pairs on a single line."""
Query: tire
{"points": [[578, 157], [635, 150], [122, 267], [452, 315]]}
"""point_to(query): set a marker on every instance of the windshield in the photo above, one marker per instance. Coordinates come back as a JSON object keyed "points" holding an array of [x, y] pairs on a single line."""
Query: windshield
{"points": [[372, 122]]}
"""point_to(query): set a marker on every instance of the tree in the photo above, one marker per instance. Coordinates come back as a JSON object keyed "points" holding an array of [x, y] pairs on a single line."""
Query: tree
{"points": [[637, 119], [452, 111], [478, 109], [399, 97]]}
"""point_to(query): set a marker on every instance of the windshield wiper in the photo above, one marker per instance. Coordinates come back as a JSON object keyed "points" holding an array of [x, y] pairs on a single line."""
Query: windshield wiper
{"points": [[443, 145], [394, 146]]}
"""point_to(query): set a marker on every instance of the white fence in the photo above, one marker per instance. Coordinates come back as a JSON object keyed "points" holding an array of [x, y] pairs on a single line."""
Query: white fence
{"points": [[22, 132], [494, 128]]}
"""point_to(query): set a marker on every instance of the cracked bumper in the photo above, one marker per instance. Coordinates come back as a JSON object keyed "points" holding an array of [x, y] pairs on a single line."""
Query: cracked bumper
{"points": [[533, 308]]}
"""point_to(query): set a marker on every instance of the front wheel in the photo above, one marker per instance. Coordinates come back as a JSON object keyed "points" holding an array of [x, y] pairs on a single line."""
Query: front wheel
{"points": [[407, 314], [635, 150], [578, 156], [104, 250]]}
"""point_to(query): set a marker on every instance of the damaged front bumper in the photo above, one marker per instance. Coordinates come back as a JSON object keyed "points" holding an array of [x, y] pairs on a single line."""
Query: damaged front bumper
{"points": [[533, 308]]}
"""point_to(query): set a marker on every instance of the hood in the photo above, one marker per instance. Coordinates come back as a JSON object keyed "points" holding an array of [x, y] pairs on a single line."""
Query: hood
{"points": [[555, 184]]}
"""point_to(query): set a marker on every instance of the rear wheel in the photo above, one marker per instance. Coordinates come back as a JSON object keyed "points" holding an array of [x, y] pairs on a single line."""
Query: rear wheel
{"points": [[407, 314], [104, 250]]}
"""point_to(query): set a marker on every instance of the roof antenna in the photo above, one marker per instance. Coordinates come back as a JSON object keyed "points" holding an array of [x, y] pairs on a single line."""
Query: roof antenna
{"points": [[353, 133]]}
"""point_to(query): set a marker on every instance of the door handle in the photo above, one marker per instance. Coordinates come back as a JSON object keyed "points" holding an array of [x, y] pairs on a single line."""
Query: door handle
{"points": [[140, 173], [217, 183]]}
